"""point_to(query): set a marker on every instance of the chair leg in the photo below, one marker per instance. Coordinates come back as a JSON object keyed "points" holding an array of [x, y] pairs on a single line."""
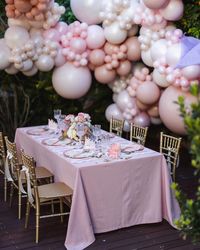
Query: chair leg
{"points": [[61, 210], [37, 224], [19, 204], [11, 193], [27, 213], [52, 204], [5, 188]]}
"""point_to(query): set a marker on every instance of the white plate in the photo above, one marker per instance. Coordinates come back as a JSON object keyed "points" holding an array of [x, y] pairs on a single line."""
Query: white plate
{"points": [[56, 142], [78, 154], [38, 131], [132, 148]]}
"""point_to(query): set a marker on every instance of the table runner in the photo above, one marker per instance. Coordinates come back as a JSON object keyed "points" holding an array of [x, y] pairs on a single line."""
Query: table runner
{"points": [[107, 195]]}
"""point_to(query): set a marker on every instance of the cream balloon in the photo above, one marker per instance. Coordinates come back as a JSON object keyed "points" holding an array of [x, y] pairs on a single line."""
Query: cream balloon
{"points": [[124, 100], [159, 49], [4, 54], [169, 110], [86, 10], [23, 22], [191, 72], [160, 79], [16, 36], [146, 58], [71, 82], [173, 11], [44, 63], [11, 70], [173, 54], [155, 4], [31, 72], [113, 111], [114, 34]]}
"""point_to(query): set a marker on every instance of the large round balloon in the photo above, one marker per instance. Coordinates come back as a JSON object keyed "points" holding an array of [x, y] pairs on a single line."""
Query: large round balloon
{"points": [[45, 63], [86, 10], [103, 75], [160, 79], [148, 93], [142, 119], [169, 110], [95, 38], [16, 36], [134, 52], [124, 100], [173, 11], [4, 55], [158, 49], [173, 54], [191, 72], [113, 111], [71, 82], [155, 4], [114, 34]]}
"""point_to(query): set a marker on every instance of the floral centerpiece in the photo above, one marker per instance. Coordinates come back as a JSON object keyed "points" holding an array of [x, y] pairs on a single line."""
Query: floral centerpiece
{"points": [[72, 121]]}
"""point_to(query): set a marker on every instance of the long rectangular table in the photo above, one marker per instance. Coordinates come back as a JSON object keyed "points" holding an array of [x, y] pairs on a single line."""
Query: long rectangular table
{"points": [[107, 195]]}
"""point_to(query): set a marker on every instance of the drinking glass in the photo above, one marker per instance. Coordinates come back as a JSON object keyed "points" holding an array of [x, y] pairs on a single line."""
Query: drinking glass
{"points": [[61, 123], [57, 114], [80, 130]]}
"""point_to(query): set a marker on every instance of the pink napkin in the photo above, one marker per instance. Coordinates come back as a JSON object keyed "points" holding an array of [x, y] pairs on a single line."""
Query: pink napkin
{"points": [[114, 151]]}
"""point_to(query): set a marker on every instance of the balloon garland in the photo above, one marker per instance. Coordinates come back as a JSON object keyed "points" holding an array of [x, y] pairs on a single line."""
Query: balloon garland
{"points": [[37, 40]]}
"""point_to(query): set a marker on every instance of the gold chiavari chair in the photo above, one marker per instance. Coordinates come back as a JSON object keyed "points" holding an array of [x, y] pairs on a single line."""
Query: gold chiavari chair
{"points": [[13, 167], [2, 163], [169, 147], [42, 195], [116, 126], [138, 133]]}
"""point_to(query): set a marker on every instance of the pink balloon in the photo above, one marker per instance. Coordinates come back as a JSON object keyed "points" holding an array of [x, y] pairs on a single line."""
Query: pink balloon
{"points": [[113, 111], [52, 34], [109, 48], [173, 11], [61, 27], [96, 57], [142, 119], [153, 111], [191, 72], [103, 75], [95, 38], [59, 59], [124, 68], [169, 110], [71, 82], [124, 100], [134, 51], [78, 45], [155, 4], [158, 49], [148, 93], [141, 105]]}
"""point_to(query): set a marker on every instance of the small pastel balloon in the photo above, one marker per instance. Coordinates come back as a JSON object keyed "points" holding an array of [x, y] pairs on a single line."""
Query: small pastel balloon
{"points": [[61, 27], [11, 70], [124, 68], [134, 51], [27, 65], [109, 48], [23, 6], [155, 4], [148, 93], [59, 59], [71, 82], [96, 57], [103, 75], [113, 111], [124, 99], [191, 72], [78, 45], [31, 72], [174, 121], [5, 54], [153, 111], [87, 10], [114, 34], [95, 38], [160, 79], [44, 63], [142, 119], [173, 11], [16, 36]]}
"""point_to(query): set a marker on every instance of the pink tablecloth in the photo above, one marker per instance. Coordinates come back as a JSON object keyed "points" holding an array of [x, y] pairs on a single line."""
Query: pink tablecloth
{"points": [[107, 195]]}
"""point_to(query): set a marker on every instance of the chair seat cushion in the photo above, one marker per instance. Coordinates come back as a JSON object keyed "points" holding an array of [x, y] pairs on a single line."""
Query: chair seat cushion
{"points": [[42, 172], [54, 190]]}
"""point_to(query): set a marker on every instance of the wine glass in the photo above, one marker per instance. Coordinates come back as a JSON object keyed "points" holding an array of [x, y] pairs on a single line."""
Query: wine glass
{"points": [[61, 123], [80, 130], [57, 114]]}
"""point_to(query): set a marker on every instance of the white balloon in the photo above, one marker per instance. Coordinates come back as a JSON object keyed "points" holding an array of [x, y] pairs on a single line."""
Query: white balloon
{"points": [[11, 70], [160, 79], [31, 72], [124, 100], [126, 127], [113, 111], [44, 63], [16, 36], [146, 57], [114, 34], [191, 72], [86, 10], [71, 82], [158, 49], [173, 54], [4, 55], [27, 65]]}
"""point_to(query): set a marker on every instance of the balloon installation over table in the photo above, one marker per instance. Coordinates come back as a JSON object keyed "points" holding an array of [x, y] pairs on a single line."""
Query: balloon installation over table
{"points": [[130, 45]]}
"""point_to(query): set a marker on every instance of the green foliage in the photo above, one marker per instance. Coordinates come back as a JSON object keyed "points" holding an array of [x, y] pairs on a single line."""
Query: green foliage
{"points": [[189, 221], [190, 22]]}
